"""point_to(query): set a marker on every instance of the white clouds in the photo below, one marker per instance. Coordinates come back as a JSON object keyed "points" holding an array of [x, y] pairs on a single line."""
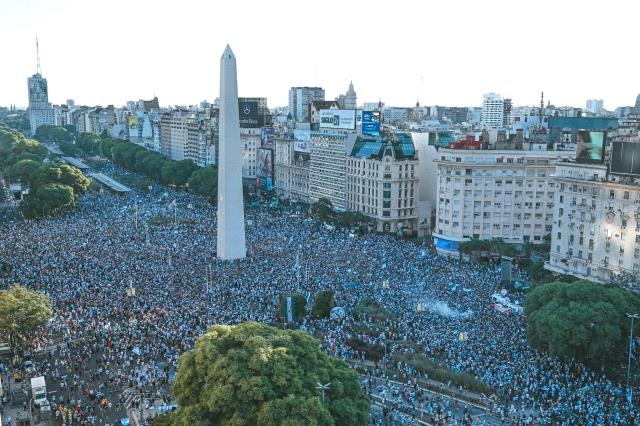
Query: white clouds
{"points": [[109, 52]]}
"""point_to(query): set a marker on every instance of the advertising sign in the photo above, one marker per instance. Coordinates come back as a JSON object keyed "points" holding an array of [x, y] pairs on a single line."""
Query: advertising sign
{"points": [[302, 135], [338, 119], [625, 158], [264, 170], [590, 148], [371, 123], [302, 146], [248, 113], [266, 137]]}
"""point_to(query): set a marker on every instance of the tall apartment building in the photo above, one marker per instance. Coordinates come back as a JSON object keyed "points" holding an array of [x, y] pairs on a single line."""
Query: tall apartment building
{"points": [[596, 228], [349, 100], [299, 100], [489, 194], [327, 167], [382, 181], [595, 106], [496, 111], [186, 136], [291, 169], [40, 110], [250, 140]]}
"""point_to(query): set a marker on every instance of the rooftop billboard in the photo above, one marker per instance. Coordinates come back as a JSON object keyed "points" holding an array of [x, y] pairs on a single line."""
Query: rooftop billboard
{"points": [[344, 119]]}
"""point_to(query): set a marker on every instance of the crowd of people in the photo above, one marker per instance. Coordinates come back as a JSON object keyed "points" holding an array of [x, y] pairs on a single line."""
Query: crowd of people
{"points": [[134, 281]]}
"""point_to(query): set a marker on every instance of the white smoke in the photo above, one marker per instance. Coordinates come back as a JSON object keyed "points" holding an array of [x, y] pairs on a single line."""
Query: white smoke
{"points": [[442, 308]]}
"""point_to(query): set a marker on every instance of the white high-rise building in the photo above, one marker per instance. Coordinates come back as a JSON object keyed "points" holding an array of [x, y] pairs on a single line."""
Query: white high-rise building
{"points": [[490, 194], [40, 110], [596, 228], [327, 167], [595, 106], [496, 111], [300, 99], [231, 242]]}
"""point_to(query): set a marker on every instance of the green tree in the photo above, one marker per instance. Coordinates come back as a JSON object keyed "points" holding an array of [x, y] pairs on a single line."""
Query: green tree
{"points": [[21, 312], [322, 209], [23, 169], [580, 320], [204, 182], [323, 304], [372, 309], [255, 374]]}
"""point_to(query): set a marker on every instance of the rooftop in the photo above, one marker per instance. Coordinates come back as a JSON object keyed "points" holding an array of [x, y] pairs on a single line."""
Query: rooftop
{"points": [[399, 145]]}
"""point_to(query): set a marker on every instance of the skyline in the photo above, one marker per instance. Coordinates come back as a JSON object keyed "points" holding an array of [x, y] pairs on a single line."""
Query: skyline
{"points": [[144, 49]]}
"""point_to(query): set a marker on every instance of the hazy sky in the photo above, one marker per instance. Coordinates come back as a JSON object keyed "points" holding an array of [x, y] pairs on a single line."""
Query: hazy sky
{"points": [[443, 52]]}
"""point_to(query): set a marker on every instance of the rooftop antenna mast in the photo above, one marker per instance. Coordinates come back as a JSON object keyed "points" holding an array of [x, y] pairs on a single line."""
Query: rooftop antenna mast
{"points": [[541, 108], [38, 70]]}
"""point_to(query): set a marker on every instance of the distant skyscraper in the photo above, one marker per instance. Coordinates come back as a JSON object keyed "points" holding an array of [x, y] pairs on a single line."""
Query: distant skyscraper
{"points": [[638, 102], [40, 110], [350, 99], [300, 99], [231, 242], [496, 111], [595, 105]]}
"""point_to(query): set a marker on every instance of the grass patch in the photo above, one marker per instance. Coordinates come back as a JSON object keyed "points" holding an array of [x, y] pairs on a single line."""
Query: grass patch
{"points": [[369, 308], [168, 220], [437, 372]]}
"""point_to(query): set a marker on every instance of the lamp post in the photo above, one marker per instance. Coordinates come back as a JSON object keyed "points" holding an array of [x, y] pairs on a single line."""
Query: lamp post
{"points": [[322, 387], [633, 317]]}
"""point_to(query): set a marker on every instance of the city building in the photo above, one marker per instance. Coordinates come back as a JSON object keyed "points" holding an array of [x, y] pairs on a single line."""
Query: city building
{"points": [[327, 167], [373, 106], [250, 142], [595, 106], [40, 110], [185, 135], [349, 100], [496, 111], [596, 228], [150, 105], [382, 181], [395, 115], [299, 100], [316, 106], [490, 194], [291, 169]]}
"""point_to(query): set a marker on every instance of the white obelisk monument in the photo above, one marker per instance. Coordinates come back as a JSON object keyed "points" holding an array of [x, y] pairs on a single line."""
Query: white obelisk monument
{"points": [[231, 242]]}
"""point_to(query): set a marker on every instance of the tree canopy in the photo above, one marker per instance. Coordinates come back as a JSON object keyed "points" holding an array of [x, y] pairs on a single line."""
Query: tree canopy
{"points": [[323, 304], [580, 320], [204, 182], [21, 312], [255, 374], [322, 209]]}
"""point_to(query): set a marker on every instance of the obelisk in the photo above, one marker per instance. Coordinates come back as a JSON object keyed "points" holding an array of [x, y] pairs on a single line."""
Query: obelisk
{"points": [[231, 243]]}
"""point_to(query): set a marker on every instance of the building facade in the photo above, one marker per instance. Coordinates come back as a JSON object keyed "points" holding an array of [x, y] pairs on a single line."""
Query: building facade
{"points": [[382, 181], [299, 100], [40, 110], [496, 111], [186, 136], [327, 167], [596, 228], [291, 169], [490, 194]]}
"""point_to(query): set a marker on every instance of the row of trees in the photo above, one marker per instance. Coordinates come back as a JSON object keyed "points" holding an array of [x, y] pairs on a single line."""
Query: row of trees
{"points": [[323, 210], [488, 248], [51, 186]]}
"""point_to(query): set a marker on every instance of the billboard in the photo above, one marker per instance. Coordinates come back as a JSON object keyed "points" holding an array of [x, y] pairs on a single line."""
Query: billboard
{"points": [[266, 137], [344, 119], [371, 123], [38, 90], [264, 169], [248, 113], [590, 148], [302, 146], [303, 135], [625, 158]]}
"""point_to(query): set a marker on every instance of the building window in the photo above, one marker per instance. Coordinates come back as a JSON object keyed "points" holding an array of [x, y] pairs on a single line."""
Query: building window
{"points": [[386, 213], [386, 194]]}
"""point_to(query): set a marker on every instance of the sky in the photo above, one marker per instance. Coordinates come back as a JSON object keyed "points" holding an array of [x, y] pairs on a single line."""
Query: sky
{"points": [[438, 52]]}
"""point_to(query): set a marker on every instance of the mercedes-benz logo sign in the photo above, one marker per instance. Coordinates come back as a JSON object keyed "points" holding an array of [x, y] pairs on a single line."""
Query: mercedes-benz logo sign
{"points": [[246, 109]]}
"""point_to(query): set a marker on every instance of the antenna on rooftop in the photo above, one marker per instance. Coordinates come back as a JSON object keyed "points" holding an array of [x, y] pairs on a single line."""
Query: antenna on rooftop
{"points": [[541, 108], [38, 70]]}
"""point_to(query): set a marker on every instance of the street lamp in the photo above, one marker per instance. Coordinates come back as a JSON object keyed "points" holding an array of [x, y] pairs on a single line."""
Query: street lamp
{"points": [[632, 316], [322, 387]]}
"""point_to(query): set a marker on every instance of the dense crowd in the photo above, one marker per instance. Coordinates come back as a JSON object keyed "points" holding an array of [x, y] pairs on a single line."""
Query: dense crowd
{"points": [[103, 339]]}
